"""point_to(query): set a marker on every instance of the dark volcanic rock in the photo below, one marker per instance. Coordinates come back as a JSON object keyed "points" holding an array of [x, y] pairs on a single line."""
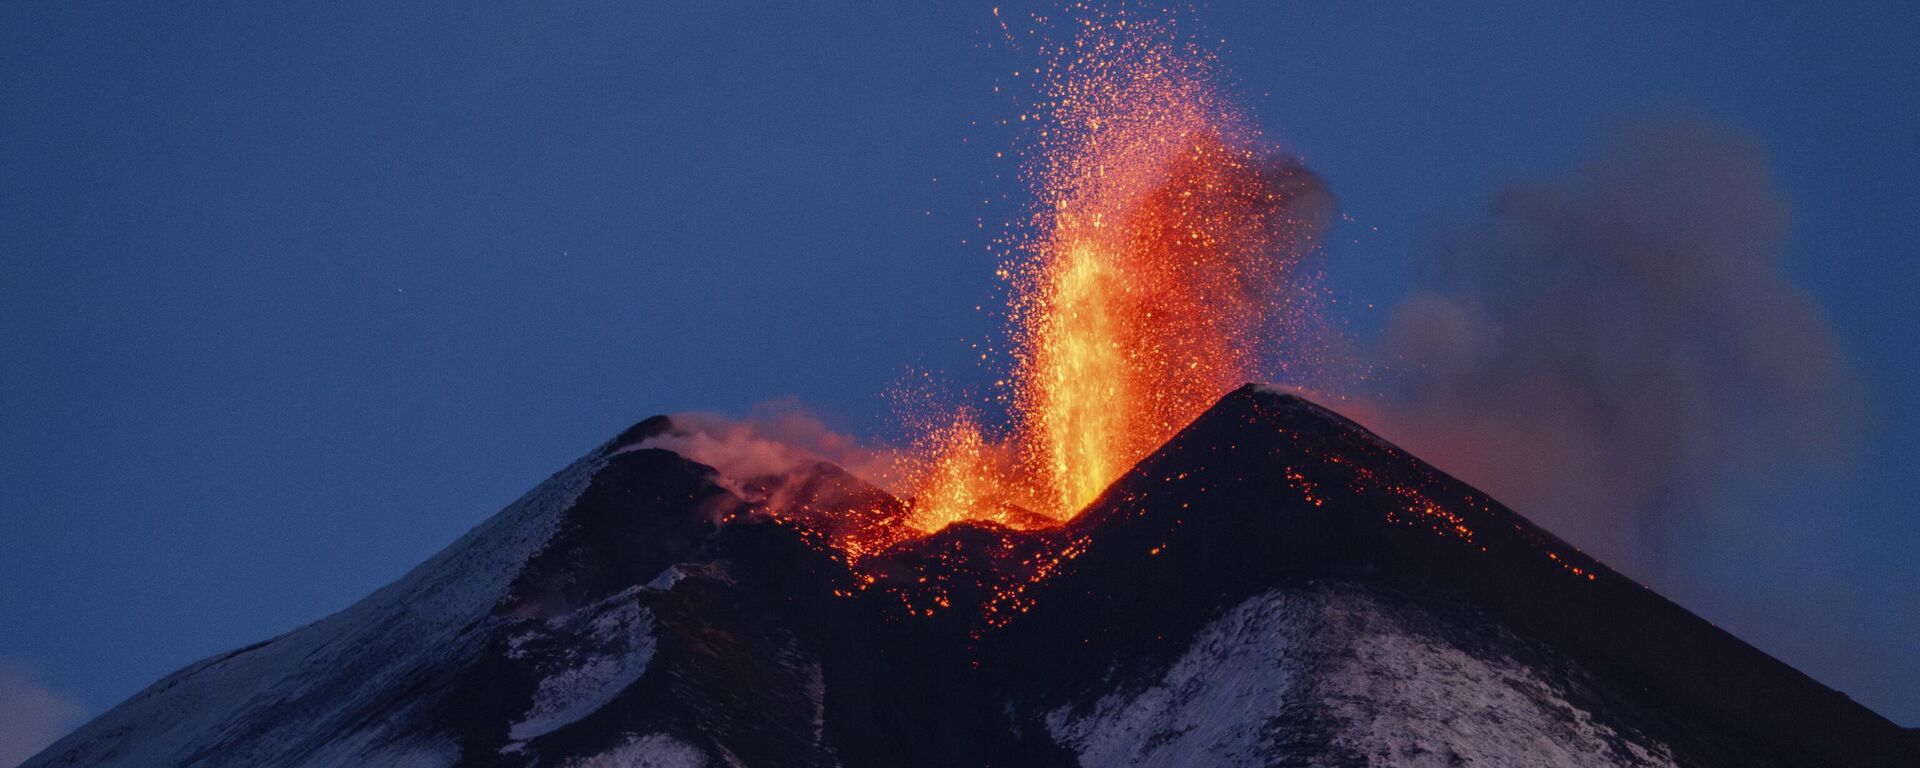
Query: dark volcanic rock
{"points": [[1274, 587], [1270, 492]]}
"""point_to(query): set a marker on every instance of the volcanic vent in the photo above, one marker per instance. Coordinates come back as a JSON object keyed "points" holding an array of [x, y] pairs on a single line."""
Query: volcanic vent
{"points": [[1133, 570], [1273, 586]]}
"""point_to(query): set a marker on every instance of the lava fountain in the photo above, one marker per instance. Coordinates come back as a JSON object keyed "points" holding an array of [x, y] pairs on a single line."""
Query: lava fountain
{"points": [[1162, 265]]}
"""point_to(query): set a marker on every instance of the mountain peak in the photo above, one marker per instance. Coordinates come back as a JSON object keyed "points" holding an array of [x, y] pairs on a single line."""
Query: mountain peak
{"points": [[1268, 490], [1274, 586]]}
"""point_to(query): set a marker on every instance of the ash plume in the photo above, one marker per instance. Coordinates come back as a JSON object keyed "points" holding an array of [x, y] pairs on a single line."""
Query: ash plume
{"points": [[1601, 346]]}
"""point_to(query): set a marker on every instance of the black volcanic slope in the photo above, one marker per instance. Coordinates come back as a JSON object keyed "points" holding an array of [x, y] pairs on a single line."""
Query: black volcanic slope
{"points": [[1230, 503], [1275, 586]]}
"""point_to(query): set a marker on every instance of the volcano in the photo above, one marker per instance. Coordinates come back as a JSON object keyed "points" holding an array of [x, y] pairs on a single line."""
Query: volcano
{"points": [[1275, 586]]}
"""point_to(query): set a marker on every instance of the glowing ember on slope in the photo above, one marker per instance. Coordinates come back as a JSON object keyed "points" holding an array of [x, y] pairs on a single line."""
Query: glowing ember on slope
{"points": [[1161, 268]]}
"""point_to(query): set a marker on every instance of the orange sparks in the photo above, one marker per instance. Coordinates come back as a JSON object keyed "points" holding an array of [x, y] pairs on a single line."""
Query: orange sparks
{"points": [[962, 482], [1160, 265], [1158, 271]]}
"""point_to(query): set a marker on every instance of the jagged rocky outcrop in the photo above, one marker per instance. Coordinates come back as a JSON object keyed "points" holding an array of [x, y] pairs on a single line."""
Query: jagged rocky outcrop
{"points": [[1274, 587]]}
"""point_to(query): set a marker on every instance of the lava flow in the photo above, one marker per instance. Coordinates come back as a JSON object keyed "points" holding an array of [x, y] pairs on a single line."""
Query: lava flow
{"points": [[1161, 267]]}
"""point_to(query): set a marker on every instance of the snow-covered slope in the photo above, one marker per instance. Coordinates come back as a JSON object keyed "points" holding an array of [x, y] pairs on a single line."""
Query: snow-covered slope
{"points": [[325, 694], [1409, 617], [1274, 587], [484, 636], [1342, 673]]}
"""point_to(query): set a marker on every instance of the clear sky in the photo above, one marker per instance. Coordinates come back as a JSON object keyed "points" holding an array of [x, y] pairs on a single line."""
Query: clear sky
{"points": [[291, 298]]}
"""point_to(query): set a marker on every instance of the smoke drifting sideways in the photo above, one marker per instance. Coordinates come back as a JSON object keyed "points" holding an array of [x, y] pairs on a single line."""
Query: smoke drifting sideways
{"points": [[1599, 349], [778, 442]]}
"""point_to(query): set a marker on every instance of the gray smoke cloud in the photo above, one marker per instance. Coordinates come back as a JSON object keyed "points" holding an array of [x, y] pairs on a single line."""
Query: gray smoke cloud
{"points": [[1598, 348], [32, 715]]}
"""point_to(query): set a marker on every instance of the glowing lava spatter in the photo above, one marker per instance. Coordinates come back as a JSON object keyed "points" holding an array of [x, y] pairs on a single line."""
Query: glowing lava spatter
{"points": [[1160, 268], [1163, 265]]}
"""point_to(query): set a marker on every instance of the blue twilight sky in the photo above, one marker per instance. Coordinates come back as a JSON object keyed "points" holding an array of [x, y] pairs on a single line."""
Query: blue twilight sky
{"points": [[291, 298]]}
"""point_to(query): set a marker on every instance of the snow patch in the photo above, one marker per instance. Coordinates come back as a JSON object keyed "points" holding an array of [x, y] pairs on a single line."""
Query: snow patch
{"points": [[1341, 671], [654, 750], [667, 578], [609, 645], [1198, 713], [306, 692]]}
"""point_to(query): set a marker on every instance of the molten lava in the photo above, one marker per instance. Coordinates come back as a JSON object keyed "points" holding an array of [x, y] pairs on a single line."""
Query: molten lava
{"points": [[1160, 268], [1139, 316]]}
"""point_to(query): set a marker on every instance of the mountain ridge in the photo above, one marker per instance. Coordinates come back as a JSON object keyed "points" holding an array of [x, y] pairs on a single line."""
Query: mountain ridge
{"points": [[1273, 586]]}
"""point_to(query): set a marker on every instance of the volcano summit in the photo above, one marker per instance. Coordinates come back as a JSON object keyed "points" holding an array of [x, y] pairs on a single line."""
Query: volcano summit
{"points": [[1275, 586]]}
